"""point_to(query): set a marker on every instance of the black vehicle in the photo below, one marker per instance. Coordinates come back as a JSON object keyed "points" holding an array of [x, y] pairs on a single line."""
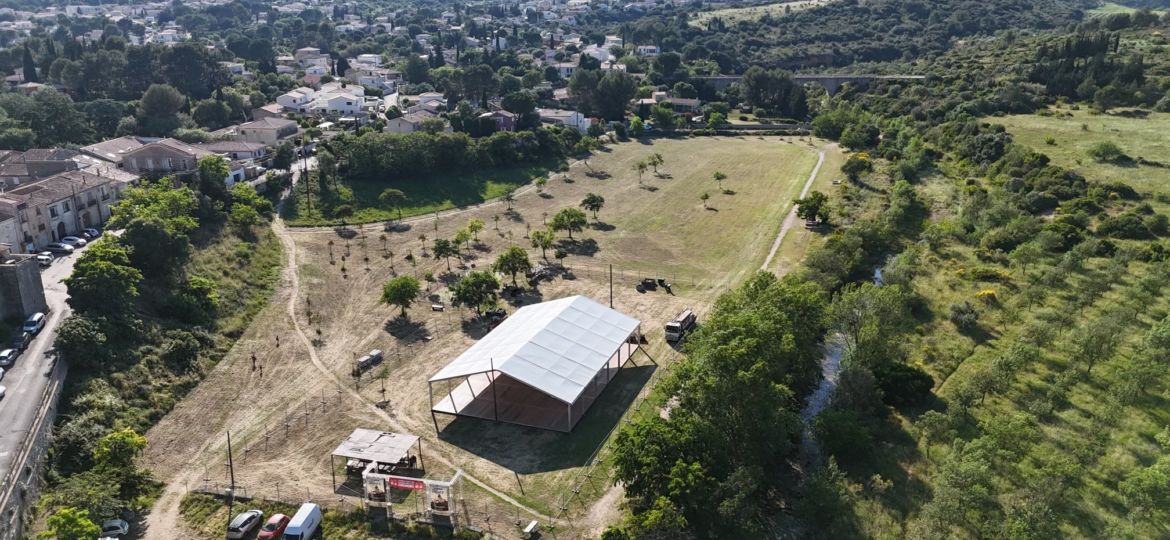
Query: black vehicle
{"points": [[21, 341]]}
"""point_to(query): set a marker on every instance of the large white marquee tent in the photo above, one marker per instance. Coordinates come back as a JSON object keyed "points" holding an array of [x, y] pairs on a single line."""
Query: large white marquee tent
{"points": [[542, 367]]}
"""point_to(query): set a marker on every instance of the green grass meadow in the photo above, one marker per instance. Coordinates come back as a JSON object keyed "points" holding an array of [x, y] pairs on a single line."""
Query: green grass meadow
{"points": [[1075, 131], [424, 194]]}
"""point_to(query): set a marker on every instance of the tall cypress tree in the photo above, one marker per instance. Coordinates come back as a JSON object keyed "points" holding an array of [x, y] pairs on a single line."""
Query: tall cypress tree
{"points": [[30, 66]]}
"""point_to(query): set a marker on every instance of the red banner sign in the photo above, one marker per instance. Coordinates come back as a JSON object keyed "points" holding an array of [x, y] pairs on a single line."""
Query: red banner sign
{"points": [[398, 482]]}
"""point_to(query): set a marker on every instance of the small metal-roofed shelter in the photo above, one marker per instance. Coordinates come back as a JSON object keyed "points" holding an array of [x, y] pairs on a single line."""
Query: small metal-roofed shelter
{"points": [[542, 367], [377, 450]]}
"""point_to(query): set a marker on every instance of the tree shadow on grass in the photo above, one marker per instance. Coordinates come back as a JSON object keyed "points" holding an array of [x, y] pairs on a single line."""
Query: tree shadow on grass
{"points": [[513, 215], [648, 187], [584, 247], [663, 176], [545, 195], [345, 232], [527, 450], [711, 209], [523, 297], [601, 226], [978, 333], [447, 277], [406, 330], [599, 175], [396, 227], [475, 327]]}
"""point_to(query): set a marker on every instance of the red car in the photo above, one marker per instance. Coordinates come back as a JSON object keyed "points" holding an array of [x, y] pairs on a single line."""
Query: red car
{"points": [[274, 528]]}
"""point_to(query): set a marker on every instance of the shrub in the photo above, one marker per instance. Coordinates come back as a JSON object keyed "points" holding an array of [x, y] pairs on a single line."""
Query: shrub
{"points": [[987, 273], [843, 435], [1107, 151], [1050, 140], [1128, 225], [964, 316], [987, 296], [903, 384], [1158, 224]]}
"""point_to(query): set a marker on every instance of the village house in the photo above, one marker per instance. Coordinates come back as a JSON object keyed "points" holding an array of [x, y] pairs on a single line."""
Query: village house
{"points": [[174, 157], [411, 122], [63, 204], [112, 150], [505, 121], [268, 131], [237, 150], [562, 117]]}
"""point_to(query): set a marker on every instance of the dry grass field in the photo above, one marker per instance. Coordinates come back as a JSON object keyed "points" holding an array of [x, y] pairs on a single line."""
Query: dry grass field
{"points": [[750, 13], [300, 402]]}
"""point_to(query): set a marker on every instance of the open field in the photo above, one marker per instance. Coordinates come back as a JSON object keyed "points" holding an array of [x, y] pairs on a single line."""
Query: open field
{"points": [[751, 13], [285, 418], [1146, 137], [1111, 8], [424, 195], [799, 240]]}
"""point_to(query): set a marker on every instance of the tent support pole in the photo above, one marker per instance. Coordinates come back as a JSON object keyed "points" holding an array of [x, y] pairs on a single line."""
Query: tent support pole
{"points": [[333, 471], [431, 400], [492, 381], [647, 354]]}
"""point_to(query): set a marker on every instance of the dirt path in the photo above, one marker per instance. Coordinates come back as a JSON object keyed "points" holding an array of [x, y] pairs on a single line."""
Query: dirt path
{"points": [[291, 249], [164, 520], [790, 219]]}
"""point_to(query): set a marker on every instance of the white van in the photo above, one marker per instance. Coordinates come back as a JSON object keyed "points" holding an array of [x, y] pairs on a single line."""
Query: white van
{"points": [[304, 523]]}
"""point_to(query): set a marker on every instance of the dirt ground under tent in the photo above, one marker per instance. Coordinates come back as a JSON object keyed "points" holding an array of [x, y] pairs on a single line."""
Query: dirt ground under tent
{"points": [[287, 413]]}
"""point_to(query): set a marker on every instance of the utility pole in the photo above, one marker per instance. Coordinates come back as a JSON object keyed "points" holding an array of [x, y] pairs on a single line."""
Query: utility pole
{"points": [[611, 286], [231, 468]]}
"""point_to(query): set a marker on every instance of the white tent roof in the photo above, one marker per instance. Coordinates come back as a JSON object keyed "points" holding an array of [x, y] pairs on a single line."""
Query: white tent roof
{"points": [[556, 347]]}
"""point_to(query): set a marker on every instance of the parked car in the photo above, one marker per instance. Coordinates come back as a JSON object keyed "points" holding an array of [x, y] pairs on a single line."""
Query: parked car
{"points": [[8, 357], [74, 241], [90, 234], [243, 524], [115, 528], [44, 259], [274, 528], [57, 248], [21, 341], [34, 323], [1, 374], [3, 391]]}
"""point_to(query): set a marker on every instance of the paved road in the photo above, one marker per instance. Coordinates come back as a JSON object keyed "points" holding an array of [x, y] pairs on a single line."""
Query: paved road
{"points": [[27, 378]]}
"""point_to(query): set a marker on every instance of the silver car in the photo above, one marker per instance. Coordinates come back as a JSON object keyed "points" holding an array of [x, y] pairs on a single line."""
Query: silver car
{"points": [[74, 241], [243, 524], [8, 357]]}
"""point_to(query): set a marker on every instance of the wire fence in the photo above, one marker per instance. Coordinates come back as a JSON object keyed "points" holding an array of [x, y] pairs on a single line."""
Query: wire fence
{"points": [[596, 476], [481, 518]]}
